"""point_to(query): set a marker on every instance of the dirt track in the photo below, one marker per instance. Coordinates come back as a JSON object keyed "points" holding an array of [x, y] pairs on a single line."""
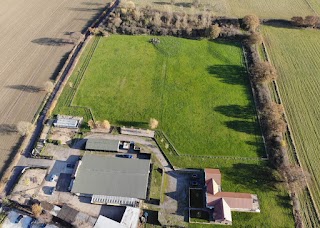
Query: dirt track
{"points": [[35, 36]]}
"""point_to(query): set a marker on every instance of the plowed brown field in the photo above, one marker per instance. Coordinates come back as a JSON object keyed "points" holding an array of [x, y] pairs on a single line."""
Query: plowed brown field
{"points": [[35, 36]]}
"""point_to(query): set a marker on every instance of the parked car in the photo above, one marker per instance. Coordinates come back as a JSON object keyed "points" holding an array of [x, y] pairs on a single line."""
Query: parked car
{"points": [[51, 191], [18, 219], [52, 177], [124, 156], [31, 222]]}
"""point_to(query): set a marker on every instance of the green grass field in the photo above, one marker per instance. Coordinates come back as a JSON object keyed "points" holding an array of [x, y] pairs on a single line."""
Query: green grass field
{"points": [[198, 90], [275, 9], [297, 61]]}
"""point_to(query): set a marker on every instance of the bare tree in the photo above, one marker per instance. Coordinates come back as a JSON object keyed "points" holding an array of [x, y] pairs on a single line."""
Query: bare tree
{"points": [[196, 3], [153, 123], [25, 128], [263, 72], [297, 177], [311, 21], [48, 86], [157, 20], [254, 38], [297, 21], [213, 31], [251, 22], [36, 210]]}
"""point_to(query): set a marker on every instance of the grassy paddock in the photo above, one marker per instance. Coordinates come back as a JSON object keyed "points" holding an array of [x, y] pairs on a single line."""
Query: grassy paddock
{"points": [[197, 90], [297, 61]]}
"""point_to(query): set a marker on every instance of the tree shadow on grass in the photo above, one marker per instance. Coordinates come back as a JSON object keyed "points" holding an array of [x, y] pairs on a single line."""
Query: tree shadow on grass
{"points": [[236, 111], [230, 74], [242, 126], [8, 129], [139, 124], [26, 88], [255, 177]]}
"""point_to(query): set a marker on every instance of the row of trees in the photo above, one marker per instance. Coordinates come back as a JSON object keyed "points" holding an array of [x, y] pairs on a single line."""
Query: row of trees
{"points": [[273, 121], [148, 21], [308, 21]]}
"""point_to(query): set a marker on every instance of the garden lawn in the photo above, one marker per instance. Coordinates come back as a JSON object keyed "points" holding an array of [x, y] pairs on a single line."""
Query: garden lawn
{"points": [[198, 90]]}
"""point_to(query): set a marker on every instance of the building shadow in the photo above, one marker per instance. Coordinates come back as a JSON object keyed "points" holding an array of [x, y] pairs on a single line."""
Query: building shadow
{"points": [[140, 124], [26, 88], [52, 41]]}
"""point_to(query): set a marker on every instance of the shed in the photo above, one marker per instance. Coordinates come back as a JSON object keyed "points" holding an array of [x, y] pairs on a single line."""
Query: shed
{"points": [[103, 145]]}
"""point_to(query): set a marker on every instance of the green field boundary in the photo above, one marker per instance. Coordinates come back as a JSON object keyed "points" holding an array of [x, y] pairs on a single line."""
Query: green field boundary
{"points": [[67, 106], [245, 62], [290, 141], [163, 140]]}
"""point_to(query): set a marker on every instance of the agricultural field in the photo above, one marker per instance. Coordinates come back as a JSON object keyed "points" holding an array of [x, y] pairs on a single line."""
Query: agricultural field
{"points": [[297, 62], [198, 90], [239, 8], [35, 41]]}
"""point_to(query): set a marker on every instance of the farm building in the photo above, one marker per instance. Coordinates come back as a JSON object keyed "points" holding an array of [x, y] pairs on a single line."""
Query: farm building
{"points": [[130, 219], [112, 180], [223, 203], [67, 122], [103, 145]]}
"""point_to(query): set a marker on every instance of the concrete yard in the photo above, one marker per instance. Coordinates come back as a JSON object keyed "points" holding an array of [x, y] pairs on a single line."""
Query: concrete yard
{"points": [[38, 36]]}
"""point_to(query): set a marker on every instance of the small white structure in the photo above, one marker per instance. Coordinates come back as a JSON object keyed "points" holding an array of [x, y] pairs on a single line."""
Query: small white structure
{"points": [[67, 121], [129, 219]]}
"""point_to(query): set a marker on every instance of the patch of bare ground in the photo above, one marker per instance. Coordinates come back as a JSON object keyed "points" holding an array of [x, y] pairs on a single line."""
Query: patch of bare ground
{"points": [[37, 35]]}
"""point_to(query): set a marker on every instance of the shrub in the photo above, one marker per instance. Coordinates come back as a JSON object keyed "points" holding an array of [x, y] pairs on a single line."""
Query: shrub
{"points": [[263, 72], [153, 123], [254, 38], [251, 22]]}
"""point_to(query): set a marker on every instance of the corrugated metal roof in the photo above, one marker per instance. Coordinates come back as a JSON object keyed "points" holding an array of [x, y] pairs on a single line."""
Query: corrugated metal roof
{"points": [[71, 123], [112, 176], [102, 145]]}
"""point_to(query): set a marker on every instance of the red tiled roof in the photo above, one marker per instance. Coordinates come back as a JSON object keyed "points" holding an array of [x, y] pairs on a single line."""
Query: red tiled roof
{"points": [[235, 200], [213, 174]]}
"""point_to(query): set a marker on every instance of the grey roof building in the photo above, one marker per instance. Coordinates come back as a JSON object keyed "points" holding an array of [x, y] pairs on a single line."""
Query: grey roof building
{"points": [[111, 176], [103, 145]]}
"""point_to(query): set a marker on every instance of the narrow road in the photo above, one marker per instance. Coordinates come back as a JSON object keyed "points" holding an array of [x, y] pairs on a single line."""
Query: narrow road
{"points": [[42, 117]]}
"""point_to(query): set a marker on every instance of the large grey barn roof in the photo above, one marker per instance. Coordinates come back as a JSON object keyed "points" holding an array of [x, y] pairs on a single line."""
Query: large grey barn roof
{"points": [[102, 145], [112, 176]]}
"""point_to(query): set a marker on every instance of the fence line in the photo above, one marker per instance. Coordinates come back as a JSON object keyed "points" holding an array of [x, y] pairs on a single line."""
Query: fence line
{"points": [[162, 135]]}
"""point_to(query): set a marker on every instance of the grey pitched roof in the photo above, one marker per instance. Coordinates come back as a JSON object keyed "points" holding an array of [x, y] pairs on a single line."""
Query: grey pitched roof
{"points": [[112, 176], [102, 145]]}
